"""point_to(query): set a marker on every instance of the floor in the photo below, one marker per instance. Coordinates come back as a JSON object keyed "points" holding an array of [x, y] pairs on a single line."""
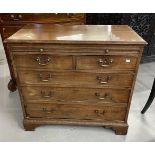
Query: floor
{"points": [[141, 127]]}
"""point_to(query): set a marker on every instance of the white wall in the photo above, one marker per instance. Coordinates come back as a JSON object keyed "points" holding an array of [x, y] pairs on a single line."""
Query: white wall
{"points": [[2, 53]]}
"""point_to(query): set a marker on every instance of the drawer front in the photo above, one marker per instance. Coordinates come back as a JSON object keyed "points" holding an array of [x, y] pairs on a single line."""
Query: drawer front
{"points": [[106, 62], [75, 49], [93, 112], [45, 18], [77, 79], [7, 31], [43, 61], [75, 95]]}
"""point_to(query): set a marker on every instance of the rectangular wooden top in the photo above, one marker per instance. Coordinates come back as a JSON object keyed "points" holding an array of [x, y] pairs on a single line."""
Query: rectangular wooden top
{"points": [[83, 34]]}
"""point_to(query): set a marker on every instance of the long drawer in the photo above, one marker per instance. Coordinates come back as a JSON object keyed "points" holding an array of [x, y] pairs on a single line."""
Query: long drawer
{"points": [[75, 49], [85, 112], [118, 62], [43, 61], [75, 95], [75, 79]]}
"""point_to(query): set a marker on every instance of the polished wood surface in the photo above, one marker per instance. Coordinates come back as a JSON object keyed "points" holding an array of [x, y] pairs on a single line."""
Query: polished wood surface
{"points": [[77, 112], [12, 22], [75, 95], [44, 61], [80, 81], [100, 34], [107, 62]]}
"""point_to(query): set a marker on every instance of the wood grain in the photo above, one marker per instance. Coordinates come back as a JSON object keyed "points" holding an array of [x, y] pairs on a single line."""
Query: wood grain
{"points": [[43, 61], [86, 81], [85, 112], [79, 34], [75, 78], [75, 95]]}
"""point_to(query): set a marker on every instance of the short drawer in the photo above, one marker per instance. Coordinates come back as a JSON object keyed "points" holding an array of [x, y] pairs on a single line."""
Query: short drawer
{"points": [[106, 62], [85, 112], [75, 95], [43, 61], [77, 79]]}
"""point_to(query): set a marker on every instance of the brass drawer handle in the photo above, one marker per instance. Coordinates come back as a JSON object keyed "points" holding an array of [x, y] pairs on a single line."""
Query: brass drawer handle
{"points": [[43, 60], [99, 113], [45, 80], [47, 111], [44, 95], [103, 97], [105, 62], [107, 79]]}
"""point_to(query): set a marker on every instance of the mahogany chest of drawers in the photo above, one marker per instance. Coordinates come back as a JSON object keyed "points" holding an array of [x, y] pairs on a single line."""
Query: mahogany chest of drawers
{"points": [[81, 75], [12, 22]]}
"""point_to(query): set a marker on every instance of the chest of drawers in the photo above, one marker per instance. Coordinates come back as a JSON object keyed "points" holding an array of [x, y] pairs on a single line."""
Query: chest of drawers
{"points": [[80, 75]]}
